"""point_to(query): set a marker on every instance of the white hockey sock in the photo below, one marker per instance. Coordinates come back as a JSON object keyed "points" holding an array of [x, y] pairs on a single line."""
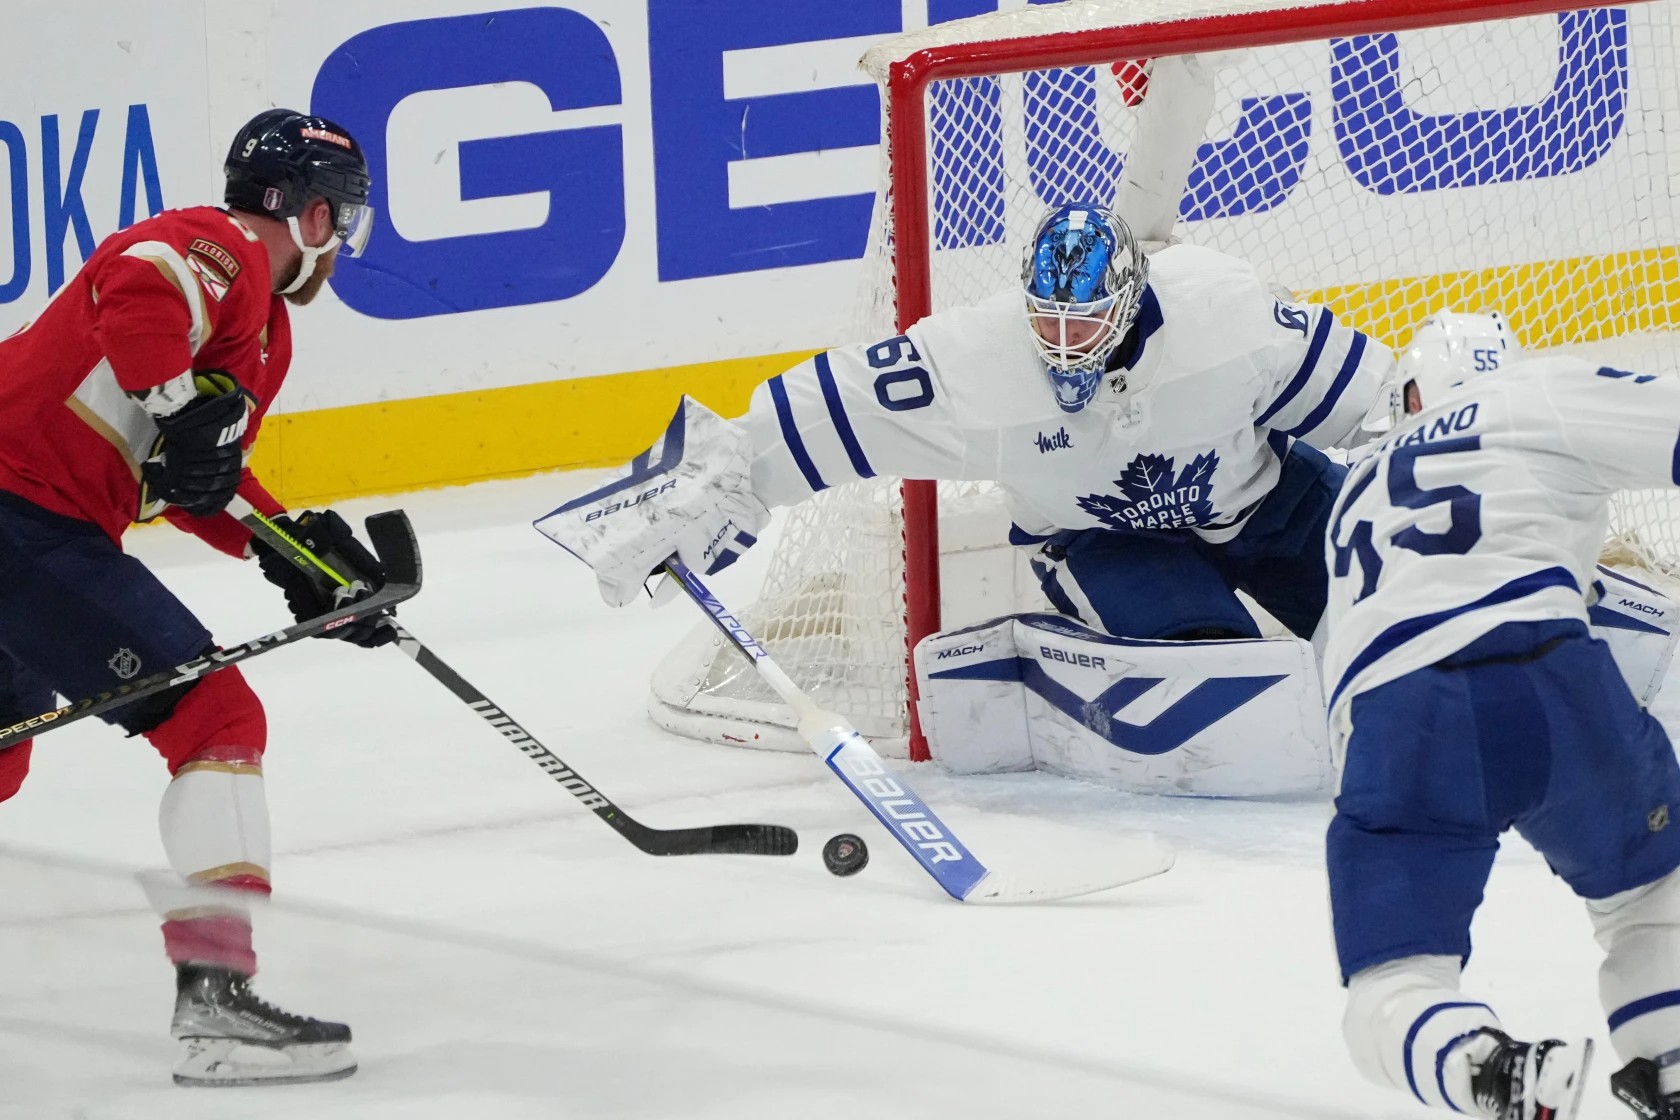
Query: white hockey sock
{"points": [[1403, 1021], [1639, 982], [214, 824]]}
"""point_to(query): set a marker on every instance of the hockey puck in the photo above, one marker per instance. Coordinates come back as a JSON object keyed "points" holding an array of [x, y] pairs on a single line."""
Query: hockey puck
{"points": [[845, 854]]}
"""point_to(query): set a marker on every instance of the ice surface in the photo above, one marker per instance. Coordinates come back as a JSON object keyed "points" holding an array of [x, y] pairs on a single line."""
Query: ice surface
{"points": [[501, 955]]}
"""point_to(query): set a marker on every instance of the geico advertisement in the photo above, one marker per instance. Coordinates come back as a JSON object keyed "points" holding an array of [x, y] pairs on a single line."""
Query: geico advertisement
{"points": [[593, 187], [608, 186]]}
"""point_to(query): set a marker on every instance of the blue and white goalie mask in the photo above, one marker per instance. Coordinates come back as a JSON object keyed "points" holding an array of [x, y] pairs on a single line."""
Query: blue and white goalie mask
{"points": [[1084, 276]]}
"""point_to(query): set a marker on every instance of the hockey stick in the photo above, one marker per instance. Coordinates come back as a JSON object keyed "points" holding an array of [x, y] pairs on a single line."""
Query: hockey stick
{"points": [[927, 838], [719, 839], [393, 540]]}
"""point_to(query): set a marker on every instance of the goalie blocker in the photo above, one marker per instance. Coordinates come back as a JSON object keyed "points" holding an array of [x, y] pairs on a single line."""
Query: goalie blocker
{"points": [[1239, 718]]}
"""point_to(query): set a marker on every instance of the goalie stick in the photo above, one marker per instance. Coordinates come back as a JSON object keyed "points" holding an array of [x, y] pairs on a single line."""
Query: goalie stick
{"points": [[393, 541], [927, 838], [718, 839]]}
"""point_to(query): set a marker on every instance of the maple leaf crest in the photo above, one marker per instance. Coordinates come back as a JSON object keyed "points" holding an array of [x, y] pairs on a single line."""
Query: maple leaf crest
{"points": [[1147, 475], [1153, 497]]}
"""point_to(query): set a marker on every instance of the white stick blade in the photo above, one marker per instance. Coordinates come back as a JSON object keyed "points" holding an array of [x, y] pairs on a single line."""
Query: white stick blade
{"points": [[1143, 856]]}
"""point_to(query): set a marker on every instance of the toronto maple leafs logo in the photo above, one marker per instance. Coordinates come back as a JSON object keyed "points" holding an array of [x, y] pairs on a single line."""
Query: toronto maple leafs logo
{"points": [[1153, 497]]}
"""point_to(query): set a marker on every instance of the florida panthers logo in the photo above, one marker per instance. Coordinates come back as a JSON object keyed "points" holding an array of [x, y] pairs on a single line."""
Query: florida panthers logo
{"points": [[1153, 497]]}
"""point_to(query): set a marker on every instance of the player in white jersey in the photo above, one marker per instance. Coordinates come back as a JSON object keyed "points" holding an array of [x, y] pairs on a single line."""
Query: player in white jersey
{"points": [[1467, 697], [1169, 457]]}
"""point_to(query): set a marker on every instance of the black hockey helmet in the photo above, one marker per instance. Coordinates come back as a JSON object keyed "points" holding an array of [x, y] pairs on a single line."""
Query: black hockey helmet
{"points": [[283, 160]]}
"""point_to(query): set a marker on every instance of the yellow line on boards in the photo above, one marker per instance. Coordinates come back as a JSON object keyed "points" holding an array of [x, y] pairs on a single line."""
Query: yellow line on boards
{"points": [[1547, 303], [322, 456]]}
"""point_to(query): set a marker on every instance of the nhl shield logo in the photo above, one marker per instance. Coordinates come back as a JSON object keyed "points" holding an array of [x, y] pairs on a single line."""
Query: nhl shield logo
{"points": [[125, 663]]}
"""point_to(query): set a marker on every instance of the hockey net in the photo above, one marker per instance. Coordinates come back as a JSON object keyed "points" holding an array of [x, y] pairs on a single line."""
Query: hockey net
{"points": [[1389, 158]]}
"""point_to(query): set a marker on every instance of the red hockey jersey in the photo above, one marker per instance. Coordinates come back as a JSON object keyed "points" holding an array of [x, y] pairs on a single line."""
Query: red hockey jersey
{"points": [[186, 290]]}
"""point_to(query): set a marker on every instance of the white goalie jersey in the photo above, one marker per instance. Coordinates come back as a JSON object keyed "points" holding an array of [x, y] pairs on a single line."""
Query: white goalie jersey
{"points": [[1488, 508], [1189, 436]]}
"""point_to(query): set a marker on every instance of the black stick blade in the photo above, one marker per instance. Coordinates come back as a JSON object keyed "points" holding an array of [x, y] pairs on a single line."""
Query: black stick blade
{"points": [[754, 839], [394, 543], [716, 840]]}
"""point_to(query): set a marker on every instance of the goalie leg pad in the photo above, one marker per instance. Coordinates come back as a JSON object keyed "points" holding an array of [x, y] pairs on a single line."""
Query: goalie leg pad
{"points": [[974, 720], [1241, 718], [1640, 625]]}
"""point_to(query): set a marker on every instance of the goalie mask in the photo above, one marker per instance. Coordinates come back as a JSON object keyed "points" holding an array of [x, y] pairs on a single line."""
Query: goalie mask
{"points": [[1447, 351], [1084, 276]]}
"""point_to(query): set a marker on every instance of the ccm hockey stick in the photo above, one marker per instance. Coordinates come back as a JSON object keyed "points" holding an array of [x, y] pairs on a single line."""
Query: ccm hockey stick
{"points": [[719, 839], [927, 838], [393, 540]]}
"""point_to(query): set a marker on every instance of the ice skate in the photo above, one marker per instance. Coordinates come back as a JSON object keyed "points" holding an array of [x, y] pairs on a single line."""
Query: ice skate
{"points": [[1512, 1080], [1635, 1085], [231, 1037]]}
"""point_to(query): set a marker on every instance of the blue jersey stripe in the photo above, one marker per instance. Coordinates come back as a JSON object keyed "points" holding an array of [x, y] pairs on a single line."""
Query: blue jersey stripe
{"points": [[1674, 466], [790, 435], [1645, 1006], [1303, 375], [1411, 1037], [1402, 632], [1441, 1064], [842, 422], [1149, 319], [1356, 353]]}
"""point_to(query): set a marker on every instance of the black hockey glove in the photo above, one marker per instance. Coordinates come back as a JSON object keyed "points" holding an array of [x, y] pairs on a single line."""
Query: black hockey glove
{"points": [[327, 536], [197, 459]]}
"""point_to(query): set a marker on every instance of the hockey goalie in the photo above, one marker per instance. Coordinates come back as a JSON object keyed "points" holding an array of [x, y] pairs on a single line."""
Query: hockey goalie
{"points": [[1156, 424]]}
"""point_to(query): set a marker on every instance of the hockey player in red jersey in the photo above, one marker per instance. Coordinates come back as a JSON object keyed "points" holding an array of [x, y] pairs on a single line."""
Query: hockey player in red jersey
{"points": [[138, 391]]}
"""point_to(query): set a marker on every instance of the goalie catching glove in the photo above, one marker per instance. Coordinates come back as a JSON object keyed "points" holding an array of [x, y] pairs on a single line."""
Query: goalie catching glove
{"points": [[310, 594], [690, 496]]}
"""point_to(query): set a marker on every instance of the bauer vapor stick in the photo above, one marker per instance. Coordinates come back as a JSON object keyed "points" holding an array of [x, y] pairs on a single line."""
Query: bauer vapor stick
{"points": [[719, 839], [930, 840], [392, 539]]}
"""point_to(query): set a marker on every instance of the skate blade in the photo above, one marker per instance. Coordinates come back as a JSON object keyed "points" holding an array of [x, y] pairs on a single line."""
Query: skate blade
{"points": [[230, 1063]]}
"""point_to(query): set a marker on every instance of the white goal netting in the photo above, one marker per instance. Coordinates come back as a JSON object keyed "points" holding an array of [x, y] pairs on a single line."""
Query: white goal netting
{"points": [[1526, 164]]}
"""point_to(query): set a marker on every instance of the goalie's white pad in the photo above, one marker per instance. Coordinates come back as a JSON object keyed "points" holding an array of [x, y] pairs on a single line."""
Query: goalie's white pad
{"points": [[1241, 718], [1640, 625], [690, 495]]}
